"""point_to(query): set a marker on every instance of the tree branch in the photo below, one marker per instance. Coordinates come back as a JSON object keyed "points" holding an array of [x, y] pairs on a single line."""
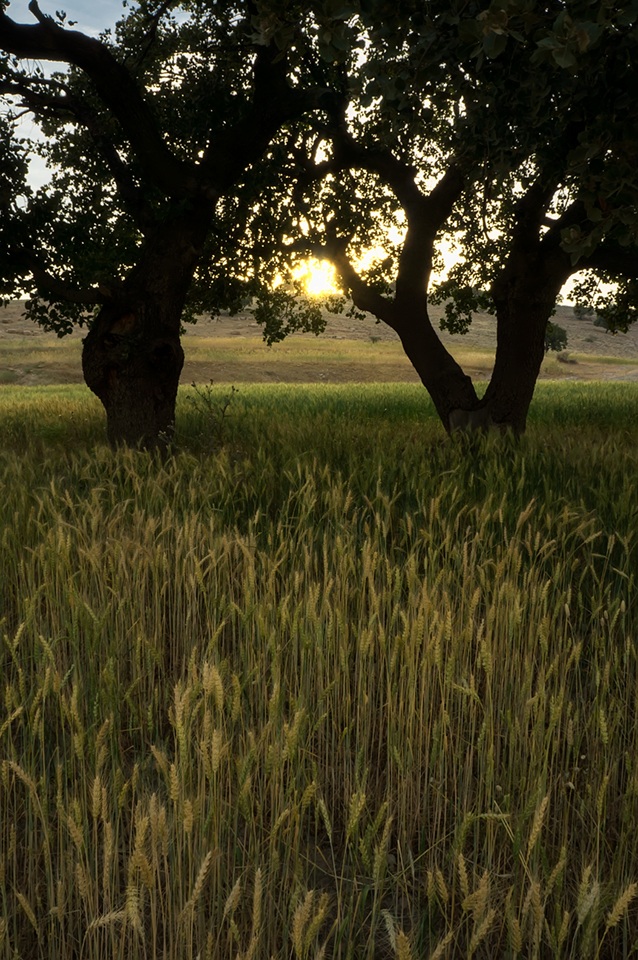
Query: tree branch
{"points": [[613, 259], [56, 289], [425, 213], [274, 102], [114, 84], [573, 214], [363, 295], [151, 33], [67, 107], [350, 155], [417, 253]]}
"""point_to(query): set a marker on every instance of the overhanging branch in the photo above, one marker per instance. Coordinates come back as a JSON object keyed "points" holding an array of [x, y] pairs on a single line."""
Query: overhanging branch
{"points": [[613, 259], [56, 289], [114, 84]]}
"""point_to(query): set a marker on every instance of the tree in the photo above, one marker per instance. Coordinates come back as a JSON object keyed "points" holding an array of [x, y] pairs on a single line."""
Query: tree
{"points": [[508, 127], [151, 133], [511, 128], [13, 182], [555, 338]]}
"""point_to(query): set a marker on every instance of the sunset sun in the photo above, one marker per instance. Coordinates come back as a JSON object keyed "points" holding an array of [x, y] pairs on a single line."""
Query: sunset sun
{"points": [[318, 277]]}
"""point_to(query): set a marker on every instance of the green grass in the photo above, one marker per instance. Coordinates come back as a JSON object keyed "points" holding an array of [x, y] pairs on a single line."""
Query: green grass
{"points": [[338, 683], [313, 349]]}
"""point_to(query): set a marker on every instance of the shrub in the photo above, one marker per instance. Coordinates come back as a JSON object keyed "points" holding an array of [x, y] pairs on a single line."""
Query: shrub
{"points": [[600, 320], [555, 337]]}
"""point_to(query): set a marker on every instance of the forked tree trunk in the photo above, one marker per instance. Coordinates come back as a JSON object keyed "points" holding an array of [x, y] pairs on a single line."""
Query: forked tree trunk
{"points": [[519, 355], [524, 306], [132, 357], [449, 387]]}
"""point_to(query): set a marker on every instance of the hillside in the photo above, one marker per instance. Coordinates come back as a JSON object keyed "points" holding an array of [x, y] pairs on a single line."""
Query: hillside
{"points": [[230, 349]]}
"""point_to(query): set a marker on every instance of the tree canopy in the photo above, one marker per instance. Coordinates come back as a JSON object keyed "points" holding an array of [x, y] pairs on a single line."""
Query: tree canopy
{"points": [[163, 109]]}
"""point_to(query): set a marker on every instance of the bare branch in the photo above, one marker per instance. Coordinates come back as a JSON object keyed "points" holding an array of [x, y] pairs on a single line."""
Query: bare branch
{"points": [[37, 13]]}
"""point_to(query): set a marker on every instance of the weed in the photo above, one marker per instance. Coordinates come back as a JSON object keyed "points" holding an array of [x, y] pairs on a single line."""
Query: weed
{"points": [[213, 409]]}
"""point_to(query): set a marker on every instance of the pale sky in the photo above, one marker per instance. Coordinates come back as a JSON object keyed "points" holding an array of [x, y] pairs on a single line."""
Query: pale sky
{"points": [[92, 15]]}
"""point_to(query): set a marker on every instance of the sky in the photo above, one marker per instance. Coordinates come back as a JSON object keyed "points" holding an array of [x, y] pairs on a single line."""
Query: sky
{"points": [[92, 15]]}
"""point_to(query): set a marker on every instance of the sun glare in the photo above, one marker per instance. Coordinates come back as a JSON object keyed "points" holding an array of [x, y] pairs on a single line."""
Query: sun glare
{"points": [[318, 277]]}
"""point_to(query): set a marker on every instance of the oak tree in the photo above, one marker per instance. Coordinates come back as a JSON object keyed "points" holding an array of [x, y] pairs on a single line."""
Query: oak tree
{"points": [[152, 134], [510, 128]]}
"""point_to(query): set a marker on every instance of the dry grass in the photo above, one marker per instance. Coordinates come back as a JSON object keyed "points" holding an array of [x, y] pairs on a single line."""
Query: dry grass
{"points": [[300, 359], [336, 690], [231, 350]]}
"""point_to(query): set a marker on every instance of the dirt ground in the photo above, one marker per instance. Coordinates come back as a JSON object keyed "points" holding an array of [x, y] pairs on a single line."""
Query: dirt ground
{"points": [[230, 349]]}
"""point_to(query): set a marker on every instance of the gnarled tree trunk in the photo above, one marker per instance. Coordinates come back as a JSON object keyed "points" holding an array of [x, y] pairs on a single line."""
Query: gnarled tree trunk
{"points": [[132, 357], [132, 360]]}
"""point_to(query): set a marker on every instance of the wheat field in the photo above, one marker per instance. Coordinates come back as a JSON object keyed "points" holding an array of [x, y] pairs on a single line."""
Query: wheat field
{"points": [[322, 684]]}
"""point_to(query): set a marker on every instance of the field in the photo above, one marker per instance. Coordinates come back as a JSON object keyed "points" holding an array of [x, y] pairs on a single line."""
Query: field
{"points": [[322, 684], [230, 349]]}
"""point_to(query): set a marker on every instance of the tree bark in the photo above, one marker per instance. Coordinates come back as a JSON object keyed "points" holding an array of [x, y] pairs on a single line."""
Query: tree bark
{"points": [[519, 354], [524, 295], [132, 356], [132, 360], [449, 387]]}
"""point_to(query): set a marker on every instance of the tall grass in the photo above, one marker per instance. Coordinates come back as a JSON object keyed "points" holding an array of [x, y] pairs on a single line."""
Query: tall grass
{"points": [[340, 688]]}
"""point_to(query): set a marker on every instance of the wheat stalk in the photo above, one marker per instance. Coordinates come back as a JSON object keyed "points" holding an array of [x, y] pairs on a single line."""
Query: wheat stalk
{"points": [[621, 905]]}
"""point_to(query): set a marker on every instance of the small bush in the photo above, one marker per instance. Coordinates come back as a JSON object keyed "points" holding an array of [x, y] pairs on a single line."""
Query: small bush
{"points": [[555, 337], [565, 357], [600, 321], [213, 408]]}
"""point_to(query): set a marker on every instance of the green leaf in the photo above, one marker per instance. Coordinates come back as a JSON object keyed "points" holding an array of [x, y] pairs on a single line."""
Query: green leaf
{"points": [[494, 44], [629, 15], [564, 58]]}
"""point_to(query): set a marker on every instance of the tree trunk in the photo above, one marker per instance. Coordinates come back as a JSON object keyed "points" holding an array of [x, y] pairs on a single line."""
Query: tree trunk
{"points": [[519, 354], [451, 390], [525, 297], [132, 360], [132, 357]]}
